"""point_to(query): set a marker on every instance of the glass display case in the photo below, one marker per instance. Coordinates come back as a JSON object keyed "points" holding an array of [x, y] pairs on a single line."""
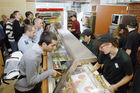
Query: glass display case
{"points": [[58, 60], [73, 60]]}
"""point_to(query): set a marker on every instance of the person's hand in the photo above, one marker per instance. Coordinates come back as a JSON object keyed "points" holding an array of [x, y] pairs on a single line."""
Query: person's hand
{"points": [[70, 29], [112, 88], [91, 70], [55, 73]]}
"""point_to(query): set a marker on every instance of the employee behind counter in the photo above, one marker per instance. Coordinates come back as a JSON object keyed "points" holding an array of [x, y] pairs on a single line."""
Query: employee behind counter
{"points": [[75, 30], [116, 63]]}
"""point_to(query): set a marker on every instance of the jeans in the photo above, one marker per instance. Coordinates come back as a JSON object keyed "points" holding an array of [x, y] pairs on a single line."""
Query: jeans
{"points": [[13, 46], [2, 48], [36, 89]]}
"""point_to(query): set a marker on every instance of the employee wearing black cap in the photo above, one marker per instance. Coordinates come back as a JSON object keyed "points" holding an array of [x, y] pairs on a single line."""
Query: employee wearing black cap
{"points": [[132, 41], [118, 70], [88, 41], [120, 34]]}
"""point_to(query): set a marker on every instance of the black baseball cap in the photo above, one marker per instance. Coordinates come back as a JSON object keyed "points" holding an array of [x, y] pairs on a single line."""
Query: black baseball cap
{"points": [[86, 32], [121, 26], [133, 23], [74, 15], [105, 38]]}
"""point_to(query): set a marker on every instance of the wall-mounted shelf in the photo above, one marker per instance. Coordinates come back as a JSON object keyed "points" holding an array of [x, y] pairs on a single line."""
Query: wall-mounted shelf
{"points": [[51, 15], [49, 9], [69, 23]]}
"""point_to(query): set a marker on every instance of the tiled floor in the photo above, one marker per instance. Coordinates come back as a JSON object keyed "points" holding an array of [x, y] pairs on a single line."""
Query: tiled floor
{"points": [[6, 88]]}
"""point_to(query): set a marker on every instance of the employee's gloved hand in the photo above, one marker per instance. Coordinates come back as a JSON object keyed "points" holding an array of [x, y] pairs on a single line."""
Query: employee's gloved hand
{"points": [[112, 88], [55, 73]]}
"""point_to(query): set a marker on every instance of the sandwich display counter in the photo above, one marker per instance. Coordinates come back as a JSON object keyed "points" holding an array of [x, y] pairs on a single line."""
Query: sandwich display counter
{"points": [[73, 60]]}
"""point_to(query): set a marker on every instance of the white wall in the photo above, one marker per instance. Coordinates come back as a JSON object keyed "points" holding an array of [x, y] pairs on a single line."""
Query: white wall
{"points": [[54, 5], [104, 2], [8, 6]]}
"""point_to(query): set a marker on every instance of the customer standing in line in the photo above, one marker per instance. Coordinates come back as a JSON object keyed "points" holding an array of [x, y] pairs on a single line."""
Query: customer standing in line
{"points": [[16, 28], [38, 24], [10, 33], [30, 65], [26, 39]]}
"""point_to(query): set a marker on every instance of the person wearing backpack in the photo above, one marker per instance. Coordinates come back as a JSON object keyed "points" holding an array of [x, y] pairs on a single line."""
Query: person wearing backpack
{"points": [[30, 65]]}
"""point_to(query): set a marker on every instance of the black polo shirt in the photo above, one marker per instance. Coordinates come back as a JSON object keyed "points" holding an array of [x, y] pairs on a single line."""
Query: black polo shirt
{"points": [[118, 67], [133, 42], [91, 47], [122, 41]]}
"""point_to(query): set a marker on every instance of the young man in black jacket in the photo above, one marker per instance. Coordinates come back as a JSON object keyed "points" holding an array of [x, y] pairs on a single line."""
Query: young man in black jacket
{"points": [[16, 26]]}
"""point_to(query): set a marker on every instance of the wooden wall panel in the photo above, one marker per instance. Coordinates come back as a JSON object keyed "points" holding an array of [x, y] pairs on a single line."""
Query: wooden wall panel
{"points": [[103, 17], [134, 8], [1, 64], [45, 88]]}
